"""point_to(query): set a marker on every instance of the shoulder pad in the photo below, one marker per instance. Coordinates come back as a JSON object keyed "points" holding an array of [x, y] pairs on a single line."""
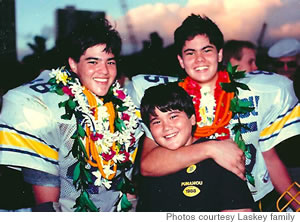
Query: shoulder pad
{"points": [[266, 81]]}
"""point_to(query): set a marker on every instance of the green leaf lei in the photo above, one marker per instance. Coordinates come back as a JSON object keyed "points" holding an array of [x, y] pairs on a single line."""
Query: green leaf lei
{"points": [[238, 107], [82, 177]]}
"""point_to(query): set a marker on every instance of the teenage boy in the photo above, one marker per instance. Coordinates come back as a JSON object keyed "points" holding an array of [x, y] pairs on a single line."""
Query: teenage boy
{"points": [[275, 117], [202, 187], [62, 128], [240, 53]]}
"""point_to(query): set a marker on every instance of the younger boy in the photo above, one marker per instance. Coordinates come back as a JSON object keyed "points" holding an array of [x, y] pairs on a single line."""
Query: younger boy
{"points": [[204, 186]]}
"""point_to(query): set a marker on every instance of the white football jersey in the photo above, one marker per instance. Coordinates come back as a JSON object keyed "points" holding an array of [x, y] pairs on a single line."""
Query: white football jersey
{"points": [[33, 135]]}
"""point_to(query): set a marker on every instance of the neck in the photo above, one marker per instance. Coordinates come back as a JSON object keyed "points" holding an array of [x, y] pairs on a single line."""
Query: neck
{"points": [[210, 83], [193, 140]]}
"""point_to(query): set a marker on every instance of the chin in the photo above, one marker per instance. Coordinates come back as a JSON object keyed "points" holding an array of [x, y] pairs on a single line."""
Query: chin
{"points": [[174, 146], [102, 93]]}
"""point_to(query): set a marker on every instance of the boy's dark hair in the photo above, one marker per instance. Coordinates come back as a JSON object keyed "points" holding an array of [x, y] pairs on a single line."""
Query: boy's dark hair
{"points": [[165, 97], [94, 32], [233, 49], [194, 25]]}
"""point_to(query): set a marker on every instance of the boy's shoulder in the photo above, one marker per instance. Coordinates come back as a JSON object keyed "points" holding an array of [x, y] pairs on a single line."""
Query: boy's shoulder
{"points": [[141, 82], [35, 97], [152, 79], [35, 88]]}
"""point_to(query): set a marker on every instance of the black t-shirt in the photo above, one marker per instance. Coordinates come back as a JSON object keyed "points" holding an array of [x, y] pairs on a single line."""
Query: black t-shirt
{"points": [[203, 187]]}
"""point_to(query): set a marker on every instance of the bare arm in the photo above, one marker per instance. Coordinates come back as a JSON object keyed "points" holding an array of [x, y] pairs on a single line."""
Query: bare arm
{"points": [[159, 161], [45, 186], [43, 194], [279, 175]]}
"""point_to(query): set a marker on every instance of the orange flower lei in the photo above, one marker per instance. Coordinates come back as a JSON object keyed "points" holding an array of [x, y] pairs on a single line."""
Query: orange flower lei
{"points": [[222, 111]]}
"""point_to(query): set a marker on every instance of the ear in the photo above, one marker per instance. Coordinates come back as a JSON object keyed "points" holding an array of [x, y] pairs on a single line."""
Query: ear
{"points": [[180, 60], [193, 120], [233, 61], [73, 65], [220, 55]]}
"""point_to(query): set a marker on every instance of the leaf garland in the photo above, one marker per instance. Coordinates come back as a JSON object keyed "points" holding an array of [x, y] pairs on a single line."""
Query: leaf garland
{"points": [[238, 107], [125, 186], [81, 175]]}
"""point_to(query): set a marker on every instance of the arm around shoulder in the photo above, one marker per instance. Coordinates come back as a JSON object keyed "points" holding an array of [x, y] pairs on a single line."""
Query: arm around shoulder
{"points": [[159, 161]]}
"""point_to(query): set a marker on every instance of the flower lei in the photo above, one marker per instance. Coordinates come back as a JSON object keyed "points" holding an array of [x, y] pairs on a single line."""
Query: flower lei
{"points": [[208, 122], [106, 126], [213, 113]]}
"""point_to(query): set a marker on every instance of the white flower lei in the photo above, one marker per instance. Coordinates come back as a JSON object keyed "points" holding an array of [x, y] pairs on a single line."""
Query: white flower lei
{"points": [[101, 125], [207, 107], [207, 110]]}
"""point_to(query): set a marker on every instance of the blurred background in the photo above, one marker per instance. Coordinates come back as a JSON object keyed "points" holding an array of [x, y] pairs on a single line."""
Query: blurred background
{"points": [[32, 30]]}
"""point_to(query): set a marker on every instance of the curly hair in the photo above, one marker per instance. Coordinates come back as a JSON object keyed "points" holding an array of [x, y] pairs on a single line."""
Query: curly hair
{"points": [[196, 25], [94, 32]]}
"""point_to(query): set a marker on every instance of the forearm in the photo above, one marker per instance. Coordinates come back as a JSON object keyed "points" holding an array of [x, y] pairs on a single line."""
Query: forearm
{"points": [[161, 161], [158, 161]]}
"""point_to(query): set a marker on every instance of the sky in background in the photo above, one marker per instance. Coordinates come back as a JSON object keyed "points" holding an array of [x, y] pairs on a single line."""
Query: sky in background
{"points": [[238, 19]]}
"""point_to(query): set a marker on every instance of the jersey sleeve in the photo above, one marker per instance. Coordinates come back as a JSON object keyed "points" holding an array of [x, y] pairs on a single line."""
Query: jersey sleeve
{"points": [[28, 129], [40, 178], [280, 111]]}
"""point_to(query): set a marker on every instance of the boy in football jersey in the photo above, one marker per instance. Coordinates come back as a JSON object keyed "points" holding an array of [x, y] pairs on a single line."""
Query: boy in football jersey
{"points": [[73, 130], [275, 116]]}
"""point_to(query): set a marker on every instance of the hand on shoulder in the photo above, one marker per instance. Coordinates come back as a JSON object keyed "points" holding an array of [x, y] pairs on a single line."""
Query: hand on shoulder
{"points": [[227, 154]]}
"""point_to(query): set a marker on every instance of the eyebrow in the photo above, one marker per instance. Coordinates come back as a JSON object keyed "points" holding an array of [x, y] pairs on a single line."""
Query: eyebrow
{"points": [[170, 113], [205, 47], [96, 58], [151, 120]]}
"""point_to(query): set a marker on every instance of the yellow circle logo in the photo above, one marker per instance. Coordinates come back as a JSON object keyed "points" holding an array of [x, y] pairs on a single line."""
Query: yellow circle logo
{"points": [[191, 168], [191, 191]]}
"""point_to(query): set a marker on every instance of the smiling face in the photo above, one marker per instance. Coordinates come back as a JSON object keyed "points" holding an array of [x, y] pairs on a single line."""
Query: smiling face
{"points": [[172, 129], [96, 69], [199, 58]]}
